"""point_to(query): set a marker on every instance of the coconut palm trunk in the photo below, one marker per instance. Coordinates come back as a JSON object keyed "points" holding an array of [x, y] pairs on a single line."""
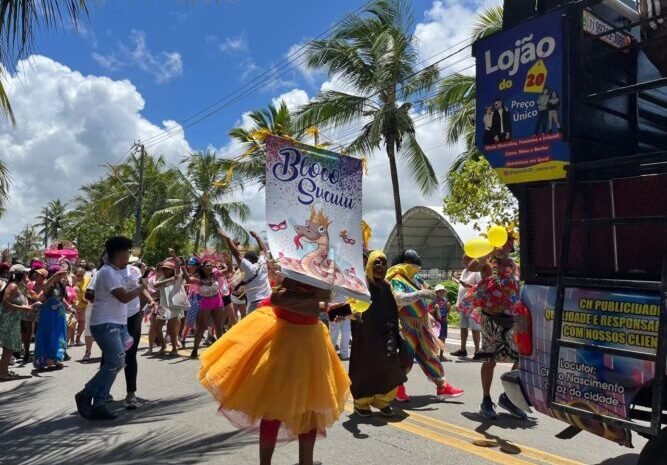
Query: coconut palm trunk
{"points": [[374, 56], [398, 210]]}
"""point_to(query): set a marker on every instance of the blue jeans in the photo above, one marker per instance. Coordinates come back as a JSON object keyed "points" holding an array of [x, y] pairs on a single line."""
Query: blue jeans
{"points": [[111, 340]]}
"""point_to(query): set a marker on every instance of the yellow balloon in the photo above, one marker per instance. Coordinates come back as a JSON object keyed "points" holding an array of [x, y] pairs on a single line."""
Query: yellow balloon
{"points": [[358, 306], [497, 235], [478, 247]]}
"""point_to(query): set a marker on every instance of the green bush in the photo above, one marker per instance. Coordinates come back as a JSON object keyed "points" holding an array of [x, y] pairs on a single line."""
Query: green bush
{"points": [[454, 318], [452, 291]]}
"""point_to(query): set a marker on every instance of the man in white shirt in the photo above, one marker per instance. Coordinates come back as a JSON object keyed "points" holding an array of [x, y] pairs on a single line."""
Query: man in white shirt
{"points": [[255, 270], [108, 325]]}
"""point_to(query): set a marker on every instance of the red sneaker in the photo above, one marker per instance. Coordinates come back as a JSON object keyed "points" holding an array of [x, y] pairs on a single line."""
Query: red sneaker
{"points": [[448, 392], [401, 395]]}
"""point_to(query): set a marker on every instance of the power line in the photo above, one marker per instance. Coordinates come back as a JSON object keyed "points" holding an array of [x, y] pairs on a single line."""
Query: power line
{"points": [[284, 64], [263, 79], [181, 129]]}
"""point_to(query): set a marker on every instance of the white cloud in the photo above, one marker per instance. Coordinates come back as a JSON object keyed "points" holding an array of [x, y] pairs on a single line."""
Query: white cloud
{"points": [[248, 68], [163, 66], [68, 125], [294, 99], [445, 30], [108, 62], [234, 44], [296, 56]]}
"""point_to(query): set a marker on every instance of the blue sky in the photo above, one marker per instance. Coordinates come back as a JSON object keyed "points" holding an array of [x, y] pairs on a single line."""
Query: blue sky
{"points": [[222, 45], [138, 67]]}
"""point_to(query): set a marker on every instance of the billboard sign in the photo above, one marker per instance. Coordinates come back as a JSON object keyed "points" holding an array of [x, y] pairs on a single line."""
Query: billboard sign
{"points": [[519, 101]]}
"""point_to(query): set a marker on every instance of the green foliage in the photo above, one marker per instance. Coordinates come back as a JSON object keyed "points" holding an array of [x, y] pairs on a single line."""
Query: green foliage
{"points": [[5, 183], [251, 164], [26, 245], [476, 196], [52, 220], [475, 192], [452, 288], [89, 230], [453, 318], [180, 210], [199, 204]]}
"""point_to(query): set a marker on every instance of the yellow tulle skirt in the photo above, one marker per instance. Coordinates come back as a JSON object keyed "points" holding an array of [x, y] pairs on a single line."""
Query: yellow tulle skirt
{"points": [[269, 368]]}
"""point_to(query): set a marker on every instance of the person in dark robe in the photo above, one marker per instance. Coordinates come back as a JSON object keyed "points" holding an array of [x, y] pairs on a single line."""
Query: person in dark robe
{"points": [[375, 367]]}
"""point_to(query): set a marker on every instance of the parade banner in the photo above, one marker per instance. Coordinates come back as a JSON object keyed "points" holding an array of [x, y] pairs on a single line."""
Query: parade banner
{"points": [[587, 379], [519, 101], [313, 211]]}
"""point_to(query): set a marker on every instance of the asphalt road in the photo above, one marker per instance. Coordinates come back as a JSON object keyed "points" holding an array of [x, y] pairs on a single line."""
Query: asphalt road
{"points": [[178, 424]]}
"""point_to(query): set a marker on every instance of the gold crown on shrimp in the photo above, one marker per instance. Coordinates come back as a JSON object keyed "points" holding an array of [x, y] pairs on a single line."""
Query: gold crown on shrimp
{"points": [[319, 217]]}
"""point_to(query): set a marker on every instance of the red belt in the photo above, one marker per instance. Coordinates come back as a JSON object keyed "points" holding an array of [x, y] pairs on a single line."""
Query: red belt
{"points": [[295, 318]]}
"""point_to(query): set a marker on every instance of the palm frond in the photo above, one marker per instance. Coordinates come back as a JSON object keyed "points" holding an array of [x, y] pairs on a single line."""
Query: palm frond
{"points": [[5, 185], [336, 108], [419, 165], [488, 22]]}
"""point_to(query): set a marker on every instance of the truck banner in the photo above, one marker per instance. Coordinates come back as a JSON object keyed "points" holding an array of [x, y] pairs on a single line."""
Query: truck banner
{"points": [[590, 379]]}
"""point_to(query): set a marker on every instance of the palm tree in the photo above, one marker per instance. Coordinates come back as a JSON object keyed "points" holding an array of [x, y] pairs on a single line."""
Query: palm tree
{"points": [[199, 204], [276, 121], [53, 219], [114, 196], [456, 96], [26, 244], [5, 184], [45, 219], [374, 56]]}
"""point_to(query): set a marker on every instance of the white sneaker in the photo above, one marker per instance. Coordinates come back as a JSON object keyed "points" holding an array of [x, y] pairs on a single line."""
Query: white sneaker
{"points": [[131, 402]]}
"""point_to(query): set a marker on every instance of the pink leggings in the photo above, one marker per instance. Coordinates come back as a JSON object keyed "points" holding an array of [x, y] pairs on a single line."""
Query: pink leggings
{"points": [[268, 433]]}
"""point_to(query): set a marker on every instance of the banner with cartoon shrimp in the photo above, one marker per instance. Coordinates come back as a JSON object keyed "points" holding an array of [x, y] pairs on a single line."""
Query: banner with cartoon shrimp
{"points": [[313, 214]]}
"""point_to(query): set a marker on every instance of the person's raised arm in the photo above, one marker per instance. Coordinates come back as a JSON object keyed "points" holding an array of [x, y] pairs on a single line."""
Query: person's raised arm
{"points": [[53, 280], [173, 256], [231, 246], [126, 296], [260, 243]]}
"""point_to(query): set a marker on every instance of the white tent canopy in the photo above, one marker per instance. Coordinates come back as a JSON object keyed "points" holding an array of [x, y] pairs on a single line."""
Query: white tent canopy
{"points": [[437, 240]]}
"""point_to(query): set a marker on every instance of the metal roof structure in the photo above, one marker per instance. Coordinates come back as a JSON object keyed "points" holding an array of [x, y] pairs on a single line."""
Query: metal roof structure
{"points": [[437, 240]]}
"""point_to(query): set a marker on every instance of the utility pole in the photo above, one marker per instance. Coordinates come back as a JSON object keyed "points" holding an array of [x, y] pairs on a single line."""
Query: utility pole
{"points": [[139, 196]]}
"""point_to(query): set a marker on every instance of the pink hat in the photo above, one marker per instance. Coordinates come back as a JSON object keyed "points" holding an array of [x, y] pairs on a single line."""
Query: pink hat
{"points": [[36, 265]]}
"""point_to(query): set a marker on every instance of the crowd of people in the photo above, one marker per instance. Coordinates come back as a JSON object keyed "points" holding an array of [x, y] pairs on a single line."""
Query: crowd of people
{"points": [[271, 364]]}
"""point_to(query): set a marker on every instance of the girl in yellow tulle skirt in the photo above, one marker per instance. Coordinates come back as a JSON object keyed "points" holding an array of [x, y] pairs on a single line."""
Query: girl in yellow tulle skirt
{"points": [[277, 372]]}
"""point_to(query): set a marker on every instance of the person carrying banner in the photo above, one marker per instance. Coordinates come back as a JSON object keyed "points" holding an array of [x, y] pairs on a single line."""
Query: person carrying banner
{"points": [[412, 296], [277, 371], [375, 366]]}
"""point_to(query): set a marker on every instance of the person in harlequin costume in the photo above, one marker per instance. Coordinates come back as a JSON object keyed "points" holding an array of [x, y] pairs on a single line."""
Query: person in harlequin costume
{"points": [[493, 301], [276, 371], [413, 297]]}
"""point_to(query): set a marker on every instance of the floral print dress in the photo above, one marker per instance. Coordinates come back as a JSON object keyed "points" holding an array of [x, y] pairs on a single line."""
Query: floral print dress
{"points": [[10, 324]]}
